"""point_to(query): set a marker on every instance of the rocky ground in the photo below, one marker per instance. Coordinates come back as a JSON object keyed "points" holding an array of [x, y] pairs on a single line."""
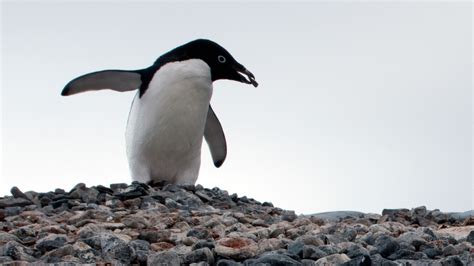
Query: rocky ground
{"points": [[171, 225]]}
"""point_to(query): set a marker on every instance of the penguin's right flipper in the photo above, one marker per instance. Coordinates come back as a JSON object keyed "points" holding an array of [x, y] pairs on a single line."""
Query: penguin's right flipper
{"points": [[215, 138], [117, 80]]}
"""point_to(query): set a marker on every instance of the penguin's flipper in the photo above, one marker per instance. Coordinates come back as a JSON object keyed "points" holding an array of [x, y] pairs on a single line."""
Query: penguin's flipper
{"points": [[215, 138], [117, 80]]}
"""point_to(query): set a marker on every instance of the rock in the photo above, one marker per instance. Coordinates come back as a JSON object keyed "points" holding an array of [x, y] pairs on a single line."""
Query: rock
{"points": [[269, 245], [154, 236], [203, 244], [6, 237], [228, 263], [386, 245], [296, 248], [200, 255], [17, 193], [451, 261], [359, 261], [313, 252], [335, 259], [275, 259], [141, 248], [84, 252], [164, 258], [200, 233], [55, 255], [412, 238], [470, 237], [17, 252], [115, 248], [50, 242], [237, 248], [14, 202], [5, 259], [289, 216]]}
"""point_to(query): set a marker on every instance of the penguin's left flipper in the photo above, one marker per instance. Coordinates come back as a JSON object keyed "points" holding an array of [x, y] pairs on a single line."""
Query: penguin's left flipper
{"points": [[117, 80], [215, 138]]}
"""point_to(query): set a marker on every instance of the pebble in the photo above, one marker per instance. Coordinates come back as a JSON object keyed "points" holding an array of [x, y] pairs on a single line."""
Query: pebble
{"points": [[162, 224]]}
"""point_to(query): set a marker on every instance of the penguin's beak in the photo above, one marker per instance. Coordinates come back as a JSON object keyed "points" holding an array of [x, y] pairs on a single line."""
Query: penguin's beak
{"points": [[250, 79]]}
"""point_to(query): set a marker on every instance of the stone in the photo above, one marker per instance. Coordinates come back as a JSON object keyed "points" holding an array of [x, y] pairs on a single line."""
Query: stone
{"points": [[50, 242], [451, 261], [237, 248], [55, 255], [203, 244], [359, 261], [14, 202], [269, 245], [6, 237], [168, 258], [289, 216], [276, 259], [313, 252], [224, 262], [115, 248], [296, 248], [200, 255], [17, 252], [386, 245], [335, 259], [413, 238], [470, 237], [200, 233], [154, 236], [141, 248]]}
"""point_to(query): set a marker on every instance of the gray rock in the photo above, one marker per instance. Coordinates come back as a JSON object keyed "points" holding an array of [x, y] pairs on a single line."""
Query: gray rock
{"points": [[355, 250], [50, 242], [296, 248], [6, 237], [154, 236], [114, 248], [470, 238], [204, 244], [337, 216], [313, 252], [84, 252], [200, 255], [272, 258], [228, 263], [451, 261], [141, 248], [377, 259], [386, 245], [413, 238], [55, 255], [289, 216], [335, 259], [164, 258], [5, 259], [200, 233], [359, 261], [89, 195], [14, 202], [17, 251]]}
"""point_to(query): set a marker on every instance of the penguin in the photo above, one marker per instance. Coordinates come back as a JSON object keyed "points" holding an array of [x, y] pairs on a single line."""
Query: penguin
{"points": [[171, 112]]}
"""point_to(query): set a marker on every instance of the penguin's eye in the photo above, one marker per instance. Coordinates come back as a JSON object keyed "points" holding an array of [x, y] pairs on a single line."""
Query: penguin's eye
{"points": [[221, 59]]}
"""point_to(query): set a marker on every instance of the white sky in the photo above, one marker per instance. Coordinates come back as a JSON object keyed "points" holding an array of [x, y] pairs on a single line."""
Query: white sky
{"points": [[361, 106]]}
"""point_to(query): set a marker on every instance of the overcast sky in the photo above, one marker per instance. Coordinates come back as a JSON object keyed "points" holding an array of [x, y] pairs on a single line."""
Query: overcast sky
{"points": [[361, 106]]}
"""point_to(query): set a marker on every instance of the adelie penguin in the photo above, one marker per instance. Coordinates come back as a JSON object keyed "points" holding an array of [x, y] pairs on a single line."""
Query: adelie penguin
{"points": [[171, 111]]}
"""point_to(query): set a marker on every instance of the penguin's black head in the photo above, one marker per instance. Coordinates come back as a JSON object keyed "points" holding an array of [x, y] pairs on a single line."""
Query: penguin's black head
{"points": [[221, 62]]}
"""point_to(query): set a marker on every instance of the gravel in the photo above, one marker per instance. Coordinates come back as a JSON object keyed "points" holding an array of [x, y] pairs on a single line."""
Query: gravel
{"points": [[162, 224]]}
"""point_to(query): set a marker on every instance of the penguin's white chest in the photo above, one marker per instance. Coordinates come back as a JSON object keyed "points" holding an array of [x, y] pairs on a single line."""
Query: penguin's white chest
{"points": [[166, 125]]}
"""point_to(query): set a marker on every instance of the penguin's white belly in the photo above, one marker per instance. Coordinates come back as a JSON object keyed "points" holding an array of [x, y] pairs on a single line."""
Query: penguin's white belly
{"points": [[166, 125]]}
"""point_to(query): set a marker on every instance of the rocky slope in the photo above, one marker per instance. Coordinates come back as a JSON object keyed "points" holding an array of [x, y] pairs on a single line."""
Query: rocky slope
{"points": [[171, 225]]}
